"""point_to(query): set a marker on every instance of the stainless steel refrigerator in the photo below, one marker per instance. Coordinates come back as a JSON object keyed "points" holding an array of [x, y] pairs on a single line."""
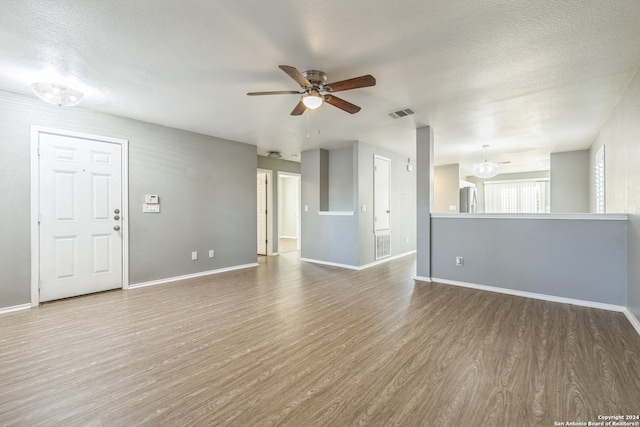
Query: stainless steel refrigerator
{"points": [[468, 200]]}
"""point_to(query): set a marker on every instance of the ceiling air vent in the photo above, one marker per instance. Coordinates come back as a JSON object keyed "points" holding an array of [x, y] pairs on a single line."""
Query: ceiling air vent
{"points": [[401, 113]]}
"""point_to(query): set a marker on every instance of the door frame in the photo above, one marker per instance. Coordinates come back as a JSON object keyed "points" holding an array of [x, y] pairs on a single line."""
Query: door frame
{"points": [[269, 219], [298, 178], [375, 191], [35, 203]]}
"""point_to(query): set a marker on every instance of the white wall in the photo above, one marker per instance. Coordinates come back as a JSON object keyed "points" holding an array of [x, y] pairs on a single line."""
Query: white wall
{"points": [[287, 206], [446, 188], [570, 182], [620, 136]]}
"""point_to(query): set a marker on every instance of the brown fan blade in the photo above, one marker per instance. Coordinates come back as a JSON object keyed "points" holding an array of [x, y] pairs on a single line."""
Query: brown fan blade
{"points": [[354, 83], [275, 92], [300, 108], [341, 104], [296, 75]]}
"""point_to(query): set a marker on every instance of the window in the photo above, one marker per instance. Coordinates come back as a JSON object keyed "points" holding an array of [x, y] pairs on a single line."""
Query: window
{"points": [[599, 181], [517, 196]]}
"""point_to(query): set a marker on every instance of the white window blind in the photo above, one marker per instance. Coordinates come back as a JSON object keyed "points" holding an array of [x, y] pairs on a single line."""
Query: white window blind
{"points": [[517, 196], [599, 181]]}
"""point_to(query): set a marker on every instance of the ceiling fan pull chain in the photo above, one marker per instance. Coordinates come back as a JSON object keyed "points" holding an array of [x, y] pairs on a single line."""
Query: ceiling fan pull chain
{"points": [[308, 127]]}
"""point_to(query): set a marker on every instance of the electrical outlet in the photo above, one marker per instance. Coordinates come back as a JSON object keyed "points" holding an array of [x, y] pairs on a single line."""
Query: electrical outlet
{"points": [[459, 261], [211, 253], [194, 255]]}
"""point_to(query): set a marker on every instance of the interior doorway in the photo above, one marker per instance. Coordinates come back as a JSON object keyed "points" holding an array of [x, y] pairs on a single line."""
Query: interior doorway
{"points": [[288, 212]]}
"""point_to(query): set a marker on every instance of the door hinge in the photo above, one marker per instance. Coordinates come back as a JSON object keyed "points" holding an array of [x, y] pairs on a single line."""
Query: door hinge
{"points": [[39, 218], [38, 150]]}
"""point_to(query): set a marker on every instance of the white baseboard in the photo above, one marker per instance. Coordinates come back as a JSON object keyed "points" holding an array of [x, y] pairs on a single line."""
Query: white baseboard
{"points": [[633, 319], [545, 297], [356, 267], [288, 237], [423, 279], [14, 308], [191, 276], [332, 264]]}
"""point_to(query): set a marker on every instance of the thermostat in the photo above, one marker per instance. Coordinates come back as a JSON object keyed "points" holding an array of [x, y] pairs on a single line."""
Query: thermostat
{"points": [[151, 199]]}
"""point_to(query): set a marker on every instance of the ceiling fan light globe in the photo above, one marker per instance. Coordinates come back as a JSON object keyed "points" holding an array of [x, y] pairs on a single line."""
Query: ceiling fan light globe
{"points": [[312, 100]]}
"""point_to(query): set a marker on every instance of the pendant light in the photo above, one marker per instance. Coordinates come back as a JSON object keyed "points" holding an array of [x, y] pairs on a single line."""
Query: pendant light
{"points": [[485, 169]]}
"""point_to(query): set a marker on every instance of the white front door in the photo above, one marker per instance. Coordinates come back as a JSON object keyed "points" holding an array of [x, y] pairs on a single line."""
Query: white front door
{"points": [[262, 213], [80, 216]]}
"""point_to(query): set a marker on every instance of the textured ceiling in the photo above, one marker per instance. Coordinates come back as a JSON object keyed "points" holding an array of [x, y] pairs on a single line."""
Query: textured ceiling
{"points": [[526, 77]]}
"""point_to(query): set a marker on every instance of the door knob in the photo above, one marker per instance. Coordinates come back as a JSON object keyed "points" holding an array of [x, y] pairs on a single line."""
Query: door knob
{"points": [[117, 211], [117, 227], [117, 217]]}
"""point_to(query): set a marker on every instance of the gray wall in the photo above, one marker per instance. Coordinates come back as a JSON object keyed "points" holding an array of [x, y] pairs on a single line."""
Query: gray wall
{"points": [[570, 182], [621, 137], [402, 203], [350, 239], [572, 258], [206, 186], [325, 238], [424, 199], [446, 188], [341, 179]]}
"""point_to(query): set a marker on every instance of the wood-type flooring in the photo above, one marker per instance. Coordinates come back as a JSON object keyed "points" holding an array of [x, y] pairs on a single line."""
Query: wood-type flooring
{"points": [[298, 344]]}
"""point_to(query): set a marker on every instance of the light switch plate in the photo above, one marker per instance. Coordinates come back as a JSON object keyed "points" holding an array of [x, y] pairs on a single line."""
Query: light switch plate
{"points": [[147, 208]]}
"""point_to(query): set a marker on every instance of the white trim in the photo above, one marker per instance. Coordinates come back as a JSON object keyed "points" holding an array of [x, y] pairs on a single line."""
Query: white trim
{"points": [[545, 297], [191, 276], [355, 267], [423, 279], [269, 219], [335, 213], [15, 308], [287, 237], [332, 264], [35, 202], [575, 216], [633, 319], [298, 178]]}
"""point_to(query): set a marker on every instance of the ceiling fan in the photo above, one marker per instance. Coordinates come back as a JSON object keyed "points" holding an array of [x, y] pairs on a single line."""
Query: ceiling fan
{"points": [[315, 90]]}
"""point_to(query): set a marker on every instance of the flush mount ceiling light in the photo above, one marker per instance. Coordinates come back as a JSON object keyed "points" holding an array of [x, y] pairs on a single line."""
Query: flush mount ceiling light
{"points": [[312, 99], [485, 169], [57, 94], [274, 155]]}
